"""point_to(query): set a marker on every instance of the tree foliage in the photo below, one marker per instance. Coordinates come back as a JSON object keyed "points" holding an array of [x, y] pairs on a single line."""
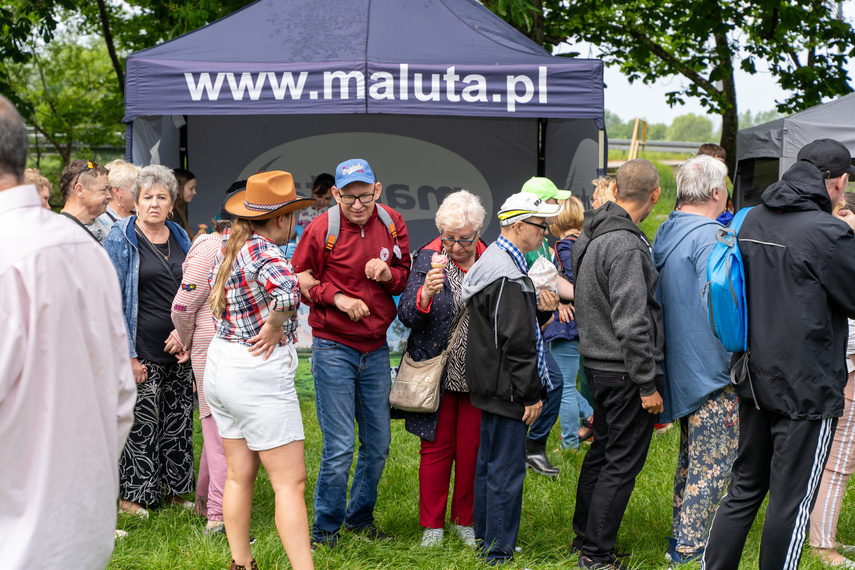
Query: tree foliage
{"points": [[801, 42], [62, 61], [690, 127], [72, 102]]}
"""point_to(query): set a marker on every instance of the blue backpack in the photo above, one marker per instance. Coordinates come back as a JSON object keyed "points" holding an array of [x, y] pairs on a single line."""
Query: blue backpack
{"points": [[728, 311]]}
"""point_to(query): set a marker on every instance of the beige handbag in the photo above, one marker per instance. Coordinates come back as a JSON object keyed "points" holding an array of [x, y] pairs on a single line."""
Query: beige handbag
{"points": [[416, 387]]}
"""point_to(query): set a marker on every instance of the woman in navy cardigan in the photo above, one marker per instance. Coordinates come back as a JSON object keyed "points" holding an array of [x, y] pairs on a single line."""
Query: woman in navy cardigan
{"points": [[431, 306]]}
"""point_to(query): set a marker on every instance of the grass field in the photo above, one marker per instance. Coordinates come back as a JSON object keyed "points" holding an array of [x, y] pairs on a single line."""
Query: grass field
{"points": [[172, 538]]}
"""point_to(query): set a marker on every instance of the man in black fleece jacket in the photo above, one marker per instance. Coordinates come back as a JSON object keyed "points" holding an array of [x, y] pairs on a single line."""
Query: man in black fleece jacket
{"points": [[621, 339]]}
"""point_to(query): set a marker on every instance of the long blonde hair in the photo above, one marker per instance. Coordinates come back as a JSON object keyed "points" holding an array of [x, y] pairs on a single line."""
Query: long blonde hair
{"points": [[238, 236]]}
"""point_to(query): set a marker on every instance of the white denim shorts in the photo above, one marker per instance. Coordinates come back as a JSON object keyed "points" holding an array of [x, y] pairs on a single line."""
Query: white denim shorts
{"points": [[251, 398]]}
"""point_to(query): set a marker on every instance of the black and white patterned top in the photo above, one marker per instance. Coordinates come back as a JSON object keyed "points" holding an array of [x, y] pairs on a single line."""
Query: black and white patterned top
{"points": [[455, 368]]}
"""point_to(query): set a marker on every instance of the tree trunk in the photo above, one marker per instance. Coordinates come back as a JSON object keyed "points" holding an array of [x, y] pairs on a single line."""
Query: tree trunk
{"points": [[730, 118], [538, 27], [111, 49]]}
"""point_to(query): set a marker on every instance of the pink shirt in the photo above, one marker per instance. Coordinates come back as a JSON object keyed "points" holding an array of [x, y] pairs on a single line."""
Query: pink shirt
{"points": [[67, 392], [191, 313]]}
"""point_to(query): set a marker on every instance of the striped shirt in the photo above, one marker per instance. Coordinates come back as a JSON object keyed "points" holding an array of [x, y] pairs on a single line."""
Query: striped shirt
{"points": [[261, 280], [191, 313]]}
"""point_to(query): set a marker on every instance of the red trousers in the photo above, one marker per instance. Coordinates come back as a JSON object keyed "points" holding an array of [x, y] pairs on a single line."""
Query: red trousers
{"points": [[458, 434]]}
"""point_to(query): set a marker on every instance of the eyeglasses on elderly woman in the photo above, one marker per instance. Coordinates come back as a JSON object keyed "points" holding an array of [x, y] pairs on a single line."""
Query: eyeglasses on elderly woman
{"points": [[447, 242]]}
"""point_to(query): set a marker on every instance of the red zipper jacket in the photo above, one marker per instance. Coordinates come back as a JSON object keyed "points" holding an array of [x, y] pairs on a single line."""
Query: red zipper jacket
{"points": [[343, 270]]}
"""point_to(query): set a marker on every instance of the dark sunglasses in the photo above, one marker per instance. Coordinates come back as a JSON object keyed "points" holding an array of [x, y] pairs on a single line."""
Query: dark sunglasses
{"points": [[90, 165], [543, 227]]}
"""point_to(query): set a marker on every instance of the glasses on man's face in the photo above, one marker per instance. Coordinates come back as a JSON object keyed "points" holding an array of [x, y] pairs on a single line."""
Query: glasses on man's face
{"points": [[90, 165], [543, 227], [449, 243], [363, 198]]}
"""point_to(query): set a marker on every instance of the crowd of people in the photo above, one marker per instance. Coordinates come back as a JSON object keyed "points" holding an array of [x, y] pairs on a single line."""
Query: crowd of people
{"points": [[602, 332]]}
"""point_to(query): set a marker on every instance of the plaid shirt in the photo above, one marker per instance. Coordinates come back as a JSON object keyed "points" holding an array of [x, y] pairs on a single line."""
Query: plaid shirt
{"points": [[261, 280], [519, 259]]}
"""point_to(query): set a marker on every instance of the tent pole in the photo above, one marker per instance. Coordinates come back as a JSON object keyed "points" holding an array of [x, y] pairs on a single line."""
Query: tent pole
{"points": [[541, 147], [183, 160]]}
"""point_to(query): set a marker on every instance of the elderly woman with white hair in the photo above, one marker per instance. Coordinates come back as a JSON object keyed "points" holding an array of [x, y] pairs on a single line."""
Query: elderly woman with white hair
{"points": [[147, 251], [432, 307]]}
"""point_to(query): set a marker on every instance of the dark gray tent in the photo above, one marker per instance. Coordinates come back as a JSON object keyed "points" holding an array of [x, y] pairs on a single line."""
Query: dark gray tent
{"points": [[765, 152], [436, 94]]}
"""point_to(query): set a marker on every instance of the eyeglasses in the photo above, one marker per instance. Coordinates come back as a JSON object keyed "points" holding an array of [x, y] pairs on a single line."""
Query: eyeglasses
{"points": [[363, 198], [449, 243], [90, 165], [543, 227]]}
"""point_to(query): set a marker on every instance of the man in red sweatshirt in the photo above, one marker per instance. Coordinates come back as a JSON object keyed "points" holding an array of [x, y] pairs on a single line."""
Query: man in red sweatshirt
{"points": [[353, 259]]}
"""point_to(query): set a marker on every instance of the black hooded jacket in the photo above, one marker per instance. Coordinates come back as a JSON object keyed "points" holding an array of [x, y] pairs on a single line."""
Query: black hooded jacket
{"points": [[800, 285]]}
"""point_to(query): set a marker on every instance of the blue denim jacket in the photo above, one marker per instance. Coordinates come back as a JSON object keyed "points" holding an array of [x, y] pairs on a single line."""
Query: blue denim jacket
{"points": [[123, 249]]}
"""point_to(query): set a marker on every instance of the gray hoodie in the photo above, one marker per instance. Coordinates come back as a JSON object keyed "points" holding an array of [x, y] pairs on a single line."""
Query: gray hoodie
{"points": [[618, 317]]}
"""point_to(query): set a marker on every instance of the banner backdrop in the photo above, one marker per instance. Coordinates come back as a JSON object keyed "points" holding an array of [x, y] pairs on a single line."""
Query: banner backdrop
{"points": [[418, 160]]}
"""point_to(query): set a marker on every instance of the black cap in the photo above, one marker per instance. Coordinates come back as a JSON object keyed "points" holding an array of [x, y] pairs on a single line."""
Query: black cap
{"points": [[830, 156], [235, 187]]}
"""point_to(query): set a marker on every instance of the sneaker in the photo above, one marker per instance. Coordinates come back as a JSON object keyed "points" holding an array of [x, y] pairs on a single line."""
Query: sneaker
{"points": [[678, 559], [370, 533], [465, 534], [611, 564], [330, 543], [218, 528], [432, 537], [137, 512]]}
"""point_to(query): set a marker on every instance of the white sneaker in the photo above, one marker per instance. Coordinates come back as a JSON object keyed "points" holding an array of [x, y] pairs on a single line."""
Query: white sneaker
{"points": [[432, 537], [464, 533]]}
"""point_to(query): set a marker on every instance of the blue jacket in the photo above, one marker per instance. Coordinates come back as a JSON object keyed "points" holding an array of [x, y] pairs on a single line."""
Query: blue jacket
{"points": [[123, 249], [696, 364], [557, 330]]}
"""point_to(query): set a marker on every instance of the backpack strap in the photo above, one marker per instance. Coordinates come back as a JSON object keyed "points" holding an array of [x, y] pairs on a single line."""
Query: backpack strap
{"points": [[334, 226]]}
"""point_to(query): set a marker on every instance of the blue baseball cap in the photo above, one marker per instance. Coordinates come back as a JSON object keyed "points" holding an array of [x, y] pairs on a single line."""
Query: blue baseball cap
{"points": [[353, 170]]}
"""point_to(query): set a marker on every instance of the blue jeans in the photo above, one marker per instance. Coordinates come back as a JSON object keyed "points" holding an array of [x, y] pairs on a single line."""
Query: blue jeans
{"points": [[573, 406], [349, 386], [499, 477], [540, 429]]}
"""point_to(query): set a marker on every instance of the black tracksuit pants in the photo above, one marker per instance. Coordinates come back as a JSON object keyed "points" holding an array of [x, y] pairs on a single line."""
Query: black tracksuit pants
{"points": [[785, 458]]}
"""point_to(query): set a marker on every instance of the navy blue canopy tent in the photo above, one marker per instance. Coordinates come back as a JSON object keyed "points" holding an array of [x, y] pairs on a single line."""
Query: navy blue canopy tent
{"points": [[437, 95]]}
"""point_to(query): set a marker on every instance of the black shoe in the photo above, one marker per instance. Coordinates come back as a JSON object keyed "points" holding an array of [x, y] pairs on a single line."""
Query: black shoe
{"points": [[536, 460], [611, 564], [370, 533], [330, 543]]}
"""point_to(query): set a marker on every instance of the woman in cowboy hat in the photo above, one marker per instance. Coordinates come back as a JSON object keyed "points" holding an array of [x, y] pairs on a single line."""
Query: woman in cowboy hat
{"points": [[249, 375]]}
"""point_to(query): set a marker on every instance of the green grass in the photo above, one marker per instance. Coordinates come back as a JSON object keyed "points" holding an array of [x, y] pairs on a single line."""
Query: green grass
{"points": [[172, 537]]}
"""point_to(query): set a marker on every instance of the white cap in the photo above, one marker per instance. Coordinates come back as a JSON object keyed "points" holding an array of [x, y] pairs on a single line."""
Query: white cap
{"points": [[524, 205]]}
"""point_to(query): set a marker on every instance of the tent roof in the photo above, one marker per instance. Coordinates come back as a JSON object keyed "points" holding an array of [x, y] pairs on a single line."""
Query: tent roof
{"points": [[371, 36], [782, 138], [424, 31]]}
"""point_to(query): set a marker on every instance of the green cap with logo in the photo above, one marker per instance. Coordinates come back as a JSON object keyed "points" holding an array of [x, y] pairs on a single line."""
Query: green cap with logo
{"points": [[544, 189]]}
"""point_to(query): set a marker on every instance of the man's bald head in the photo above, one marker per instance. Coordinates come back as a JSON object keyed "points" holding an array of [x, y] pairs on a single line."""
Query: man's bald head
{"points": [[13, 141], [636, 181]]}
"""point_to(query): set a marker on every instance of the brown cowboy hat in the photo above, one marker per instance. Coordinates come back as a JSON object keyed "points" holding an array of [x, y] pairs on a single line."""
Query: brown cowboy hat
{"points": [[267, 195]]}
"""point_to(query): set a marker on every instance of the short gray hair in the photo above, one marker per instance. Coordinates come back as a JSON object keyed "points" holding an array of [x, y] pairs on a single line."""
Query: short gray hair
{"points": [[458, 209], [698, 177], [122, 174], [155, 175], [13, 140]]}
